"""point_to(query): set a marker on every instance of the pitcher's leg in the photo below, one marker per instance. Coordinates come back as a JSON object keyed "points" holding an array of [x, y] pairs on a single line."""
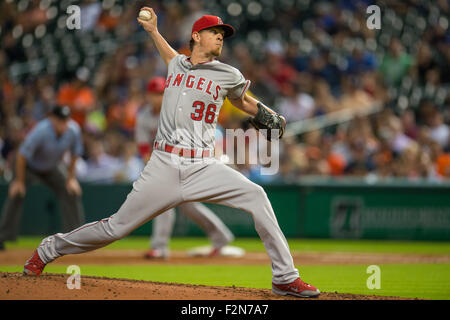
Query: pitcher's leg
{"points": [[218, 183], [152, 194], [162, 230], [217, 231]]}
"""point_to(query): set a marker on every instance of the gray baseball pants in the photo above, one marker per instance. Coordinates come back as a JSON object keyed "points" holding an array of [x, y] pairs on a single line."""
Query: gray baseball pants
{"points": [[167, 181]]}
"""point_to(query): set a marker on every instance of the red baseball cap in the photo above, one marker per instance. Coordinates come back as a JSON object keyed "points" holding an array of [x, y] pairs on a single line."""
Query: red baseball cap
{"points": [[156, 84], [208, 21]]}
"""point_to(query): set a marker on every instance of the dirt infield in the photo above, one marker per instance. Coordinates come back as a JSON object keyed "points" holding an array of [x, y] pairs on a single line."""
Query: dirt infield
{"points": [[14, 286]]}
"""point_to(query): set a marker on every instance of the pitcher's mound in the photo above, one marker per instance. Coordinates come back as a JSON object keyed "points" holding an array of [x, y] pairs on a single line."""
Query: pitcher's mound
{"points": [[15, 286]]}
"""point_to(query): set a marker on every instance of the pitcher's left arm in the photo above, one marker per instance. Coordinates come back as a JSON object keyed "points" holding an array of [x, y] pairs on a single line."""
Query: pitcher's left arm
{"points": [[262, 116]]}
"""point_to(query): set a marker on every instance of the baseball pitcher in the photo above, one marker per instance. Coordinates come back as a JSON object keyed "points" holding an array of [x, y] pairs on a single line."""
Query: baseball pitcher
{"points": [[182, 168]]}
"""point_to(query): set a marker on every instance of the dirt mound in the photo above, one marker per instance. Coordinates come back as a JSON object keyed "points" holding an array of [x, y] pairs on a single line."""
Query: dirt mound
{"points": [[15, 286]]}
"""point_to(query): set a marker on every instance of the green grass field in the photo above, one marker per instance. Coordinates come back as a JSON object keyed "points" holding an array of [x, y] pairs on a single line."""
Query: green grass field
{"points": [[426, 281]]}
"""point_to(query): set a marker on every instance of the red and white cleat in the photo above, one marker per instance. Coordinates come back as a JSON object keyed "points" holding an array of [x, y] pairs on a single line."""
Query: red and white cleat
{"points": [[34, 266], [297, 288]]}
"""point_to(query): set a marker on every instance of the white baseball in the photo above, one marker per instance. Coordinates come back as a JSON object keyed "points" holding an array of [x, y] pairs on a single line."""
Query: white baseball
{"points": [[145, 15]]}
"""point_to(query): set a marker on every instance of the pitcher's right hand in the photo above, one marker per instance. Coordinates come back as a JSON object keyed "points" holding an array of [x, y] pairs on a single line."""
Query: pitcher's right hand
{"points": [[151, 25]]}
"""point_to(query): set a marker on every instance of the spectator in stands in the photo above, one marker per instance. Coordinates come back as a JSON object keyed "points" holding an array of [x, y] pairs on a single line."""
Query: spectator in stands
{"points": [[396, 63], [78, 96], [408, 120], [130, 165], [321, 67], [424, 63], [439, 131], [99, 167], [325, 102], [90, 12], [360, 61], [441, 160], [296, 104], [353, 96]]}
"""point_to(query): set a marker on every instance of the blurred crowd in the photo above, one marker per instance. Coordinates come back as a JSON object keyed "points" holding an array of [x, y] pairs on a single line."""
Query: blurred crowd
{"points": [[305, 59]]}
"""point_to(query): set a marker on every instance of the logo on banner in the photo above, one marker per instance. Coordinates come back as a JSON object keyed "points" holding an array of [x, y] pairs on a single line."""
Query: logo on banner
{"points": [[345, 219]]}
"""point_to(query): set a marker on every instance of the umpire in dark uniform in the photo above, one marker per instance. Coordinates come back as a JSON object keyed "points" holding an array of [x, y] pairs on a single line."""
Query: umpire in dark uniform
{"points": [[39, 158]]}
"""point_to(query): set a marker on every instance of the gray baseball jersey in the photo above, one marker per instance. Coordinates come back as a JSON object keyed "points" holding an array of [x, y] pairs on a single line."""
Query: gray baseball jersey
{"points": [[191, 101]]}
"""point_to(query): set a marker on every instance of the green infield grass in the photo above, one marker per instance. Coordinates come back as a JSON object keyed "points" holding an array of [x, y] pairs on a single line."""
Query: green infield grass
{"points": [[254, 244], [425, 281]]}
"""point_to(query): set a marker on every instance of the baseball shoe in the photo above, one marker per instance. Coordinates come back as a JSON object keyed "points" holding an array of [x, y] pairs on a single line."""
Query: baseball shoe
{"points": [[34, 266], [215, 252], [2, 246], [156, 254], [297, 288]]}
